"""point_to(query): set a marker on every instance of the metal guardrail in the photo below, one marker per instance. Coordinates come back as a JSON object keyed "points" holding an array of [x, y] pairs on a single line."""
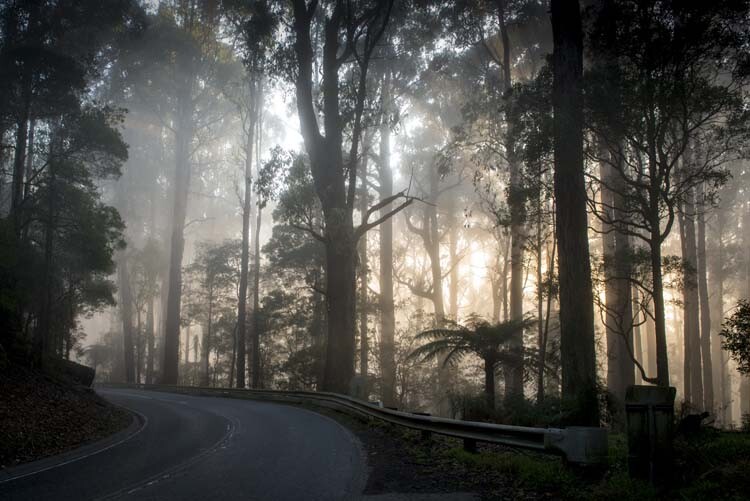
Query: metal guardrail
{"points": [[578, 445]]}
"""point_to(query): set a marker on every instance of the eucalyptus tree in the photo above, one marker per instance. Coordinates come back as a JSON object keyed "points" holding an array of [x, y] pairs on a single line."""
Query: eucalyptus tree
{"points": [[254, 24], [215, 274], [177, 68], [267, 187], [576, 295], [349, 34], [298, 261], [59, 236], [401, 57], [506, 42], [656, 94]]}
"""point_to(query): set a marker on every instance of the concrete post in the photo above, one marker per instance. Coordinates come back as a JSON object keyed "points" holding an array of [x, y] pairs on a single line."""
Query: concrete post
{"points": [[650, 423]]}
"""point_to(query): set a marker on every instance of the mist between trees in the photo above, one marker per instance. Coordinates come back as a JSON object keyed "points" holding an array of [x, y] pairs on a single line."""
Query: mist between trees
{"points": [[506, 210]]}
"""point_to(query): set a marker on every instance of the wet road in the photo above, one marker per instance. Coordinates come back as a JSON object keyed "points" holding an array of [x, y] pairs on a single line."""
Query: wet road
{"points": [[206, 448]]}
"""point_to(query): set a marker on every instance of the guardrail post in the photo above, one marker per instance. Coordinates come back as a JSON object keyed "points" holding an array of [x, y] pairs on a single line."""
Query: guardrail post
{"points": [[470, 445], [425, 435], [580, 445], [650, 418]]}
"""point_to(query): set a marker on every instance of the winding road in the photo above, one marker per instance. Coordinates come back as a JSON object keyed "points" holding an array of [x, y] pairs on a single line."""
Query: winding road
{"points": [[205, 448]]}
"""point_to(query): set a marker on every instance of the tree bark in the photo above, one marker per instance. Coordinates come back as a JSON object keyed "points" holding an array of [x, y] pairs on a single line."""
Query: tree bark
{"points": [[256, 370], [183, 142], [364, 348], [126, 316], [454, 262], [341, 289], [206, 345], [542, 355], [387, 307], [692, 374], [660, 328], [639, 351], [619, 306], [576, 296], [22, 132], [245, 254], [29, 159], [705, 307], [257, 381], [745, 380], [41, 342], [514, 372], [716, 277], [334, 178], [150, 341]]}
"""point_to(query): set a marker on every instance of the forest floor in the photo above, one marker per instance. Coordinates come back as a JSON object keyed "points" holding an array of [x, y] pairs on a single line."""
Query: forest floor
{"points": [[711, 465], [42, 416]]}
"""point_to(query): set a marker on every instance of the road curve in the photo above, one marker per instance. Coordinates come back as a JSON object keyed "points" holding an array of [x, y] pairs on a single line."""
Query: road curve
{"points": [[209, 448]]}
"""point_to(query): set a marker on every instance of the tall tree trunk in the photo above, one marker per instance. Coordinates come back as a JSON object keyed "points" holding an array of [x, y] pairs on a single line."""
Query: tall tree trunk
{"points": [[619, 306], [256, 369], [745, 380], [187, 344], [29, 159], [497, 293], [576, 296], [22, 134], [183, 142], [334, 177], [150, 325], [637, 334], [430, 226], [206, 345], [692, 356], [539, 297], [454, 262], [660, 327], [341, 292], [364, 348], [542, 355], [716, 276], [651, 341], [126, 316], [42, 332], [138, 346], [705, 308], [245, 257], [433, 251], [514, 372], [257, 381], [387, 307], [233, 360], [318, 328], [504, 280]]}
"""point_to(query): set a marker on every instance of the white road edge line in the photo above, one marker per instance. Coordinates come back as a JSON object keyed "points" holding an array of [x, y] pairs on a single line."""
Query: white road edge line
{"points": [[144, 421]]}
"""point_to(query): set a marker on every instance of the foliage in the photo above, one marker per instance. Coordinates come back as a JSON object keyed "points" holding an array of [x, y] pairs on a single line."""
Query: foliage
{"points": [[477, 337], [215, 275], [59, 236], [736, 336]]}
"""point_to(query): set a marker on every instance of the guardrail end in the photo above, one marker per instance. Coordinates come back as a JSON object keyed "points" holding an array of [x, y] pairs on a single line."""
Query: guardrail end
{"points": [[581, 445]]}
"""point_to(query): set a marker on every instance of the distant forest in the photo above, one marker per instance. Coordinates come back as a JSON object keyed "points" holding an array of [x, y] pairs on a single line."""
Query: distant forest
{"points": [[487, 209]]}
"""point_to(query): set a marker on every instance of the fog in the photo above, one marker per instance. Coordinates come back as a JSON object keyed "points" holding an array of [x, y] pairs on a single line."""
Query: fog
{"points": [[236, 194]]}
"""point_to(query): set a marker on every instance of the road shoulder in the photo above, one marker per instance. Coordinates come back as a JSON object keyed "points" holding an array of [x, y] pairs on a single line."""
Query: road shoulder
{"points": [[137, 423]]}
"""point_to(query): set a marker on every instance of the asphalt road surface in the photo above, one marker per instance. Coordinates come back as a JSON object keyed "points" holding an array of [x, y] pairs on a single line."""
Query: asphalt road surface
{"points": [[207, 448]]}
